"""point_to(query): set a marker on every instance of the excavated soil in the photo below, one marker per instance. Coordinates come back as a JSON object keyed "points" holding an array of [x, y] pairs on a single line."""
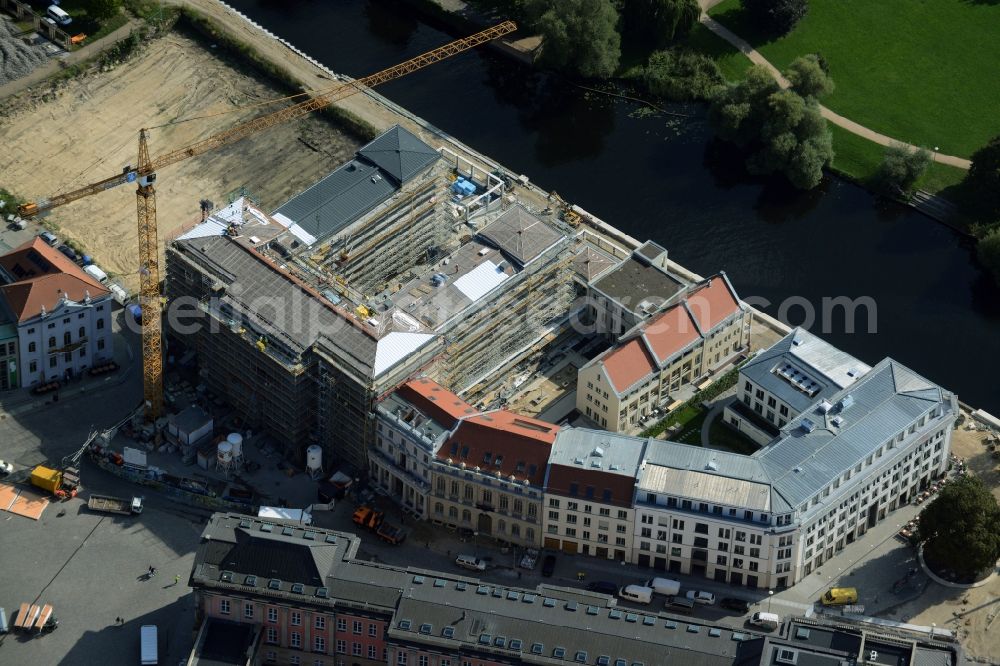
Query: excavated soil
{"points": [[58, 138]]}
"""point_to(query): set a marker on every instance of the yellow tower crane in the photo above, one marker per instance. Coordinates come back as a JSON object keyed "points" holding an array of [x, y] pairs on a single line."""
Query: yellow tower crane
{"points": [[144, 174]]}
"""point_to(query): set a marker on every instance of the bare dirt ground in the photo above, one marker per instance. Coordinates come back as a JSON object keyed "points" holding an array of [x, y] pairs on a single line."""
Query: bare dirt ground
{"points": [[58, 139], [972, 613]]}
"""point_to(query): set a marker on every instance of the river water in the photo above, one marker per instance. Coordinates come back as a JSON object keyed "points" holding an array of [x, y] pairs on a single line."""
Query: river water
{"points": [[661, 177]]}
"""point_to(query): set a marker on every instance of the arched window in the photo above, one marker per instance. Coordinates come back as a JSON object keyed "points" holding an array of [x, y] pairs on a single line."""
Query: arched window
{"points": [[515, 530], [501, 527], [466, 516], [439, 509], [67, 338], [452, 512], [52, 342], [100, 323], [83, 332], [529, 534]]}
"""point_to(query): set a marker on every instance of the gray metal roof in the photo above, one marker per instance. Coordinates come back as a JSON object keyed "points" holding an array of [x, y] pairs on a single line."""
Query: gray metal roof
{"points": [[886, 400], [819, 367], [520, 235], [339, 199], [598, 450], [634, 281], [399, 153], [270, 300]]}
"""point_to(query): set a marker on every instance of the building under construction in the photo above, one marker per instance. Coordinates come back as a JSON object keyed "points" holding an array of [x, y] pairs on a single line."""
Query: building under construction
{"points": [[405, 260]]}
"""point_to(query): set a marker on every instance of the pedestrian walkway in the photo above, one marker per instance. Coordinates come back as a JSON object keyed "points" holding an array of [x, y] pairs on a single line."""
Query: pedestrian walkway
{"points": [[854, 128], [55, 64]]}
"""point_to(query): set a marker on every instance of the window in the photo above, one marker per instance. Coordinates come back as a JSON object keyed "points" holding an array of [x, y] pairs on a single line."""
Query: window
{"points": [[295, 640], [319, 644], [83, 352], [248, 610], [33, 366], [272, 635], [373, 630], [341, 647], [100, 343], [373, 652], [100, 324], [31, 347], [224, 606], [341, 624], [52, 342], [272, 615], [296, 619], [67, 338], [357, 627], [321, 622], [356, 649], [401, 658]]}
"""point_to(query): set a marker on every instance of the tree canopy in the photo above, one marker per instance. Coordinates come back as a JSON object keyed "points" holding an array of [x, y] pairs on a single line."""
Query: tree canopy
{"points": [[782, 131], [809, 77], [961, 528], [578, 35], [102, 9], [775, 17], [989, 252], [683, 76], [982, 184], [656, 23], [901, 168]]}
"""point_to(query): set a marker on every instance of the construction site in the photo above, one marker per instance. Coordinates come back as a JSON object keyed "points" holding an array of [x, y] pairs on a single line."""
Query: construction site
{"points": [[405, 260]]}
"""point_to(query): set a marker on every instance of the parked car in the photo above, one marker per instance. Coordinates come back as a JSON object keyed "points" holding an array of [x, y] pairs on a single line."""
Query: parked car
{"points": [[699, 597], [470, 562], [548, 566], [68, 251], [49, 238], [768, 621], [603, 586], [734, 604], [5, 468]]}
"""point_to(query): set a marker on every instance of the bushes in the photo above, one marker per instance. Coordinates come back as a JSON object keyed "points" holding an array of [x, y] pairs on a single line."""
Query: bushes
{"points": [[989, 252], [681, 75]]}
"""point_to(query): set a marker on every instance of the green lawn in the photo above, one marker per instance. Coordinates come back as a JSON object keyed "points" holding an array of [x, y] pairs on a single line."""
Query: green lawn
{"points": [[922, 71], [720, 434]]}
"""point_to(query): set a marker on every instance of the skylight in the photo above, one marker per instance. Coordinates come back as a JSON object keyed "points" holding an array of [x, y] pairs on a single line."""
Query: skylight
{"points": [[266, 527]]}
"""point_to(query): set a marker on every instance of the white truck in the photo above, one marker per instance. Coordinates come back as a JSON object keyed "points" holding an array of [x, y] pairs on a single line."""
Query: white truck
{"points": [[119, 505], [664, 586]]}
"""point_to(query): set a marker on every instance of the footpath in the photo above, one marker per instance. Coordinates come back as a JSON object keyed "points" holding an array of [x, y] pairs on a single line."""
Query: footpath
{"points": [[854, 128]]}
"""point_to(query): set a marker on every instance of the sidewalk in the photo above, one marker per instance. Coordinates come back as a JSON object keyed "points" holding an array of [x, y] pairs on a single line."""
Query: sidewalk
{"points": [[56, 64]]}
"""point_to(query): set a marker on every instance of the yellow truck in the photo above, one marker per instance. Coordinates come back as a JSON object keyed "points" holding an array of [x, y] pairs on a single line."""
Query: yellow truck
{"points": [[840, 596], [63, 484]]}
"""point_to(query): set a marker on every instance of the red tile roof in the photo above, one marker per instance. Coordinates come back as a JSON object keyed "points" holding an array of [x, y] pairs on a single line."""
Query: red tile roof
{"points": [[435, 401], [628, 364], [42, 277], [504, 442], [671, 332], [712, 303]]}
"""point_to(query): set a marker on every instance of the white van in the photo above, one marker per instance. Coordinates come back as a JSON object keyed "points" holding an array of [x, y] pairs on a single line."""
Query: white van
{"points": [[470, 562], [664, 586], [148, 645], [96, 273], [58, 15], [637, 593], [769, 621]]}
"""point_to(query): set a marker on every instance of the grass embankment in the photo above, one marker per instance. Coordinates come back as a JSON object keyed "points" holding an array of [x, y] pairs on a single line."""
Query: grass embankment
{"points": [[857, 159], [922, 72]]}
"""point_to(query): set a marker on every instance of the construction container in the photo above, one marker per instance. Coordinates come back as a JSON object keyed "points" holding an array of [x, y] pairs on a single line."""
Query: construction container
{"points": [[46, 478]]}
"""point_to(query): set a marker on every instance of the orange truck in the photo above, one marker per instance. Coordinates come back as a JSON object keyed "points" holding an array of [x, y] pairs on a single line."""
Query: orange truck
{"points": [[368, 517]]}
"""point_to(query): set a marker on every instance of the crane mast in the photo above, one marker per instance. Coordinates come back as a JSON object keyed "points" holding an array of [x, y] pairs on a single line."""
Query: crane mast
{"points": [[144, 174]]}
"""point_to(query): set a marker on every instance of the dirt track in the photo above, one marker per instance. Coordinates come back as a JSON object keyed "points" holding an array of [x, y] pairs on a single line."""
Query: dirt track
{"points": [[87, 130]]}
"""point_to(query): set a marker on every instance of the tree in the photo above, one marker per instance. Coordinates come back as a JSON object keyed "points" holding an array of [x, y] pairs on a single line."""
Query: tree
{"points": [[578, 35], [101, 10], [809, 78], [989, 252], [683, 75], [901, 168], [656, 23], [960, 529], [775, 18], [981, 186], [780, 130]]}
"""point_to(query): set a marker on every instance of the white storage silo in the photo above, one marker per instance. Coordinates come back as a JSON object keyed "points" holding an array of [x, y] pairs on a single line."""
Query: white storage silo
{"points": [[236, 440], [314, 458]]}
